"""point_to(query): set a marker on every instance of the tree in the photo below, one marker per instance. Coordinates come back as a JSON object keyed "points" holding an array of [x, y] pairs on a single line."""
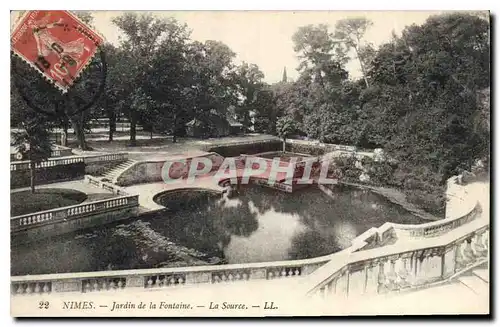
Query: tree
{"points": [[212, 75], [248, 81], [321, 58], [425, 96], [266, 113], [169, 82], [285, 126], [351, 31], [111, 101], [143, 36], [32, 140]]}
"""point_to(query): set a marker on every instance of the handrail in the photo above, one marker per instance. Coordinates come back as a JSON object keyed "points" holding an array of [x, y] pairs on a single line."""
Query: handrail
{"points": [[389, 254], [25, 164], [28, 221]]}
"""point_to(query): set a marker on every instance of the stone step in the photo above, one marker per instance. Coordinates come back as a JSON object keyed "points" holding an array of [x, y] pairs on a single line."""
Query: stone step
{"points": [[483, 274], [476, 284], [114, 172]]}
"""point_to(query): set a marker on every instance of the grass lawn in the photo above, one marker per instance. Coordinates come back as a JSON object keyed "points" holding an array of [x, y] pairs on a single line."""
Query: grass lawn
{"points": [[25, 202]]}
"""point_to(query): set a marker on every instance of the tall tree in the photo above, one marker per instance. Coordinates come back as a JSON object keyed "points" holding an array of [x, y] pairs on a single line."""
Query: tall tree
{"points": [[351, 31], [249, 83], [285, 126], [143, 36], [169, 82], [32, 136]]}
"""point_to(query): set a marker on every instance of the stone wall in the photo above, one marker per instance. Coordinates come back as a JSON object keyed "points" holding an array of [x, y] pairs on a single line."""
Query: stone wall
{"points": [[236, 149], [315, 148], [49, 223], [44, 175], [153, 171]]}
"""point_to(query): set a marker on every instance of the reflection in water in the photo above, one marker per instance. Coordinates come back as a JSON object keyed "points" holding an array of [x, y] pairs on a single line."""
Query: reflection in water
{"points": [[260, 224]]}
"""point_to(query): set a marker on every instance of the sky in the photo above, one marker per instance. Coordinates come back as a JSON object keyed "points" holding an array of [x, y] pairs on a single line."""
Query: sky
{"points": [[264, 38]]}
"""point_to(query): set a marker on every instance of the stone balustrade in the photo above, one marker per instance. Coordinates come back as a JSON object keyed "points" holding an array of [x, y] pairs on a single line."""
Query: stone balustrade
{"points": [[439, 227], [355, 271], [51, 162], [105, 157], [115, 189], [396, 268], [28, 221], [342, 274], [161, 277]]}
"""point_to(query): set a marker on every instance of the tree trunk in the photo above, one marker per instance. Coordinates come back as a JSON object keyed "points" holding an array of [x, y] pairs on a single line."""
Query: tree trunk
{"points": [[112, 121], [362, 66], [133, 125], [151, 133], [174, 130], [32, 175], [77, 123], [284, 145]]}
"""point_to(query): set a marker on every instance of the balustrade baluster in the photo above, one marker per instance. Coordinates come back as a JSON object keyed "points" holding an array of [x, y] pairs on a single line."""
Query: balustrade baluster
{"points": [[477, 245], [486, 239], [172, 281], [460, 257], [468, 252], [382, 279]]}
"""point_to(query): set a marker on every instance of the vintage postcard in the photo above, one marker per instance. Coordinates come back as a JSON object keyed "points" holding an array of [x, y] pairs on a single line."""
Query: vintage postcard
{"points": [[249, 163]]}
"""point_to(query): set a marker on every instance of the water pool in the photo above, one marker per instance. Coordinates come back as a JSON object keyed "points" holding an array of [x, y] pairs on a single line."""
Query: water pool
{"points": [[200, 227]]}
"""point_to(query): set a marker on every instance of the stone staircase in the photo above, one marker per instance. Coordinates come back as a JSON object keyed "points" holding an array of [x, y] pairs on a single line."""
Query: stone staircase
{"points": [[113, 173], [477, 281]]}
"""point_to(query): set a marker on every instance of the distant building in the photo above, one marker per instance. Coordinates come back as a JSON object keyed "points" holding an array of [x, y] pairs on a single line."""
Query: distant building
{"points": [[213, 125]]}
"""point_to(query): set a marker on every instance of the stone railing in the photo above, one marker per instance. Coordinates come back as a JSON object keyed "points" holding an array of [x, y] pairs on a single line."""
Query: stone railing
{"points": [[161, 277], [51, 162], [115, 189], [343, 273], [369, 265], [24, 222], [402, 266], [105, 157], [330, 146], [25, 165], [438, 227]]}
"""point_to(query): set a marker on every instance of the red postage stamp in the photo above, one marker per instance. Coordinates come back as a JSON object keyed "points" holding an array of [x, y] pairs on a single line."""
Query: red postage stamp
{"points": [[56, 43]]}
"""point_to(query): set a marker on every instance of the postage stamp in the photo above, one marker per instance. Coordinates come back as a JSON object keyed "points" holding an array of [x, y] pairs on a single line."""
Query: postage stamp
{"points": [[56, 43]]}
